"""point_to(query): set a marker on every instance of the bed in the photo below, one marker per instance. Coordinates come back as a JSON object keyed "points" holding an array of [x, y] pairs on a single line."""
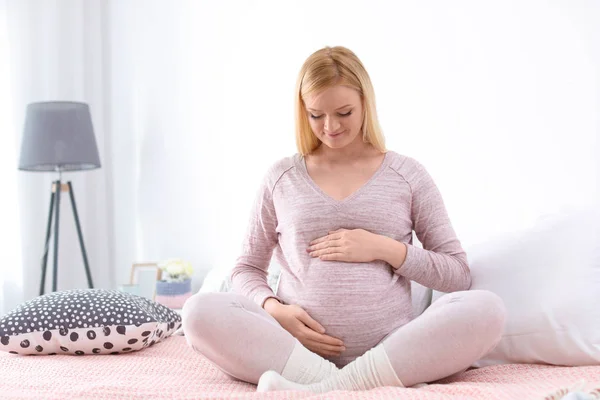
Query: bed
{"points": [[172, 370]]}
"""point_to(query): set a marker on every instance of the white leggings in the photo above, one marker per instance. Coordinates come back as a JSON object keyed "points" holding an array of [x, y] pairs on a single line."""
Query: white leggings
{"points": [[244, 341]]}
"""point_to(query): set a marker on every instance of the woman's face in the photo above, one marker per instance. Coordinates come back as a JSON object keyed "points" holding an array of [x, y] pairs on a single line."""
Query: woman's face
{"points": [[335, 115]]}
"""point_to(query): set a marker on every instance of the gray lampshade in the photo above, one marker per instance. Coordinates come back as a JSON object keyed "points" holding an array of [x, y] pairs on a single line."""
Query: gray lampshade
{"points": [[58, 136]]}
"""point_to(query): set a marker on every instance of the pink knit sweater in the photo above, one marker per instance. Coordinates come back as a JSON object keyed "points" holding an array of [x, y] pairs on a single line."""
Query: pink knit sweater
{"points": [[360, 303]]}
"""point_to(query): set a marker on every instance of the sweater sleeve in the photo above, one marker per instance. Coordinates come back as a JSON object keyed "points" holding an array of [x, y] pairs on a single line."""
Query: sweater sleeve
{"points": [[249, 276], [442, 263]]}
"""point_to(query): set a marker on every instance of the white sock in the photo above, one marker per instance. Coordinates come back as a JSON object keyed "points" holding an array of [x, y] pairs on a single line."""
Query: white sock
{"points": [[372, 369], [304, 367]]}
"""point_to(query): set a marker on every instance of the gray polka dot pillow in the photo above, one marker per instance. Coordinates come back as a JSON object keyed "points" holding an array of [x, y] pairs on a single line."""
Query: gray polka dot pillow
{"points": [[86, 321]]}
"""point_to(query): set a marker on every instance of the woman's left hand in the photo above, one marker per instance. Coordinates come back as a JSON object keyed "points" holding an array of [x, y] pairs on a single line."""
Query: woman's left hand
{"points": [[350, 245]]}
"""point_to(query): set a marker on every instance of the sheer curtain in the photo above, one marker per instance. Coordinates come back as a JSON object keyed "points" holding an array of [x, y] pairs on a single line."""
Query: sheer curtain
{"points": [[50, 51], [131, 62], [11, 273]]}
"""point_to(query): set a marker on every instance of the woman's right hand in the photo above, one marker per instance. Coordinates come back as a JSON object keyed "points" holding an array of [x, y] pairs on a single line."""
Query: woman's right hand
{"points": [[301, 325]]}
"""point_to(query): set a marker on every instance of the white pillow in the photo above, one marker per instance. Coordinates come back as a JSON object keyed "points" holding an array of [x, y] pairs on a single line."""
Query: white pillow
{"points": [[421, 298], [549, 279]]}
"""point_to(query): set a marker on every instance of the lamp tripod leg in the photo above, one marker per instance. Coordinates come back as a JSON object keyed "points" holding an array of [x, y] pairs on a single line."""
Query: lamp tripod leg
{"points": [[83, 252], [48, 230], [56, 220]]}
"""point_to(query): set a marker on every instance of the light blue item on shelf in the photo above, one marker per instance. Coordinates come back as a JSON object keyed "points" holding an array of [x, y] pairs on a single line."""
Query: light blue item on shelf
{"points": [[174, 288]]}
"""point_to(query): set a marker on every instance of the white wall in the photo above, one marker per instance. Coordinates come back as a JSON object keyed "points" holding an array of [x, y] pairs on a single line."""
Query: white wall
{"points": [[500, 101]]}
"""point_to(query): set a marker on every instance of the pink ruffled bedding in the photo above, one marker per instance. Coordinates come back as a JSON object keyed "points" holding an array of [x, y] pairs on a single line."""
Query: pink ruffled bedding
{"points": [[172, 370]]}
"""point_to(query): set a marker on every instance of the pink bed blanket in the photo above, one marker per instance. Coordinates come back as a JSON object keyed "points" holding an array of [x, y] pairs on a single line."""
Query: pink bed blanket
{"points": [[172, 370]]}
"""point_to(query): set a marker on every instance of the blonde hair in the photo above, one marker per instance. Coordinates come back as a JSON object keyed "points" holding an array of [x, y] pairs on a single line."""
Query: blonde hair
{"points": [[323, 69]]}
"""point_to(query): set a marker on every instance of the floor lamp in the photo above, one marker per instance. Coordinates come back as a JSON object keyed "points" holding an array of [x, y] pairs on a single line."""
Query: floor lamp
{"points": [[59, 137]]}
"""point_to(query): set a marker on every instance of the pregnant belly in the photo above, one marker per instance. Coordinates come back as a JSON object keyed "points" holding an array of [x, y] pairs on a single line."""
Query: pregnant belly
{"points": [[359, 304]]}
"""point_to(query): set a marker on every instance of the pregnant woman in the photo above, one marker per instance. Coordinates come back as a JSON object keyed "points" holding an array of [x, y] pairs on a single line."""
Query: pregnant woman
{"points": [[338, 217]]}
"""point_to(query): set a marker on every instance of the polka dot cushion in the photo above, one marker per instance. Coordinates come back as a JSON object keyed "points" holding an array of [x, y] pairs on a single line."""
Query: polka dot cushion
{"points": [[86, 321]]}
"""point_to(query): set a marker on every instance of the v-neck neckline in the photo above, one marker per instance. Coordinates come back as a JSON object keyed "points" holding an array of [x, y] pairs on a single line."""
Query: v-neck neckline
{"points": [[301, 163]]}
